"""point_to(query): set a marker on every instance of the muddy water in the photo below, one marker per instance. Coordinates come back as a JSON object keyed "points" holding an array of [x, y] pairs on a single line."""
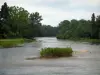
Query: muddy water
{"points": [[12, 60]]}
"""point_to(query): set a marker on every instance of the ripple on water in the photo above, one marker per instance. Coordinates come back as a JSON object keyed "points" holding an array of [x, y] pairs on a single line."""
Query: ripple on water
{"points": [[12, 60]]}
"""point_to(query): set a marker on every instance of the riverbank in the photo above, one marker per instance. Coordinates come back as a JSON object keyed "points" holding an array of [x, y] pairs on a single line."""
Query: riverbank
{"points": [[7, 43], [83, 40], [90, 40]]}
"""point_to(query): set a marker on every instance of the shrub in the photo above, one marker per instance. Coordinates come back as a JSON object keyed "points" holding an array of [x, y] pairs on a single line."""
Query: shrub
{"points": [[56, 52]]}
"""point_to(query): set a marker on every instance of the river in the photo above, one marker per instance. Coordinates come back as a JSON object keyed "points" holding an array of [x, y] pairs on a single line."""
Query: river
{"points": [[12, 60]]}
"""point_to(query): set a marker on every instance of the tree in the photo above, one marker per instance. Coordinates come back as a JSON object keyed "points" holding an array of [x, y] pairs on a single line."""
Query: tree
{"points": [[3, 21], [74, 29], [64, 28], [35, 23], [94, 27], [47, 30], [18, 21], [0, 26], [98, 26]]}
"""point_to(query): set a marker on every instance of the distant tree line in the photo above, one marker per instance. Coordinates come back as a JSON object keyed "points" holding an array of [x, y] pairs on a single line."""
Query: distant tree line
{"points": [[47, 30], [16, 22], [80, 28]]}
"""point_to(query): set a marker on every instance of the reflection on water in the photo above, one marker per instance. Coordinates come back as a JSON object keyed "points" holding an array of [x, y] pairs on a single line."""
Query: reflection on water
{"points": [[12, 60]]}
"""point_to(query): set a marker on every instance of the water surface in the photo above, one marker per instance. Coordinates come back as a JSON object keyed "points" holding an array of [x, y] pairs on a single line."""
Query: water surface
{"points": [[12, 60]]}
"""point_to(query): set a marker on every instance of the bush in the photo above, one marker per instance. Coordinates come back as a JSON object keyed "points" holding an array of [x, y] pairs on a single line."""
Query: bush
{"points": [[56, 52]]}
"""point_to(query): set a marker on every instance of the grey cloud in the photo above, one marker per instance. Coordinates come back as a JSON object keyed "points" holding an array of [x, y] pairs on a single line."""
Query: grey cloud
{"points": [[54, 11]]}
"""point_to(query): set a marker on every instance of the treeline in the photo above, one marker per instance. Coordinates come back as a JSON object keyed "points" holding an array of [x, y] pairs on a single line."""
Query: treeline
{"points": [[16, 22], [47, 30], [80, 28]]}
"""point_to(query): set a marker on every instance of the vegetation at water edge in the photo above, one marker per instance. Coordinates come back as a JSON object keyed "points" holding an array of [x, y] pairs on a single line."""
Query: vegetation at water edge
{"points": [[56, 52], [76, 29], [90, 40], [6, 43], [17, 22]]}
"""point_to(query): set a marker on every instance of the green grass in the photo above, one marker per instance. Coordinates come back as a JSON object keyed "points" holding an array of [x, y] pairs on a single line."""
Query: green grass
{"points": [[7, 43], [56, 52], [90, 40]]}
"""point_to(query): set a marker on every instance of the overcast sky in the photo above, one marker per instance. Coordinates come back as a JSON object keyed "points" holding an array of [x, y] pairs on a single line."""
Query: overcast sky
{"points": [[54, 11]]}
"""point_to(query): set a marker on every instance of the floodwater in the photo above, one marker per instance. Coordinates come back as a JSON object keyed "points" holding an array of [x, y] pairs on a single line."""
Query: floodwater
{"points": [[12, 60]]}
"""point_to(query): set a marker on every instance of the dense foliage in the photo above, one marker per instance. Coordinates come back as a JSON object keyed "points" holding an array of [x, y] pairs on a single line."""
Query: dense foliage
{"points": [[47, 30], [56, 52], [80, 28], [16, 22]]}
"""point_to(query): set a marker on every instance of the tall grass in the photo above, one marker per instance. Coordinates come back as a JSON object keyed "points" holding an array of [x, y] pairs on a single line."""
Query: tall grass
{"points": [[10, 42], [56, 52], [6, 43]]}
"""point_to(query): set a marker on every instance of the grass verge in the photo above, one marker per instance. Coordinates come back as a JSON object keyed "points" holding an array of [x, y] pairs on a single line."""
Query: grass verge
{"points": [[7, 43], [56, 52]]}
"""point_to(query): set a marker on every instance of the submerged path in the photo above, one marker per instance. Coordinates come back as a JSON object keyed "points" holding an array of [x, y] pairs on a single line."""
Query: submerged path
{"points": [[85, 62]]}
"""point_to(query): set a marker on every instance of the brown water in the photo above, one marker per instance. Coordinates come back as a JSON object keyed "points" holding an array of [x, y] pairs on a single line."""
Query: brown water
{"points": [[12, 60]]}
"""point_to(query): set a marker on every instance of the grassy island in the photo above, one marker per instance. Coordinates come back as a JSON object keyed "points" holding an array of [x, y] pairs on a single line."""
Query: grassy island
{"points": [[56, 52]]}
